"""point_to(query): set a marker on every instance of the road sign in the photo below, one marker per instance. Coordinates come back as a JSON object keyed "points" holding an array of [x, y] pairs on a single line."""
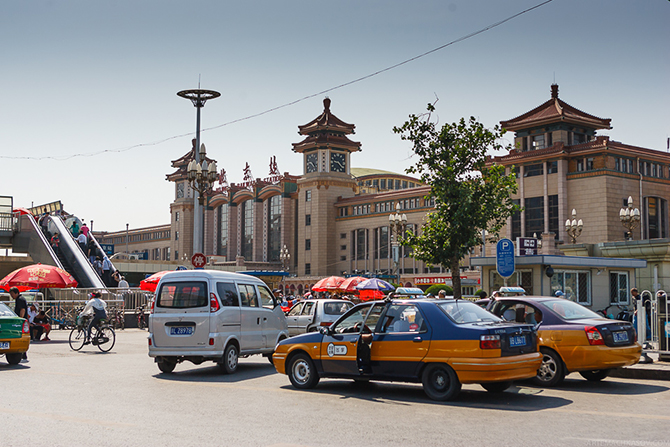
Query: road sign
{"points": [[526, 246], [198, 260], [505, 258]]}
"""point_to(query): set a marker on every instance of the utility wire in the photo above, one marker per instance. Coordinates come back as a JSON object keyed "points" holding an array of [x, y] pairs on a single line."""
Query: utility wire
{"points": [[288, 104]]}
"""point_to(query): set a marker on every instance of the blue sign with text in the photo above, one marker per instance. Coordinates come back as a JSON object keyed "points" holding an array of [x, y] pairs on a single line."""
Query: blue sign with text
{"points": [[505, 258]]}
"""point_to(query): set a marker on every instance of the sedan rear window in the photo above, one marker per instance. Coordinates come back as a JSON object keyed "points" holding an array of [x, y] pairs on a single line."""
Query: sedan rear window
{"points": [[183, 295], [336, 308], [462, 311], [6, 311], [569, 310]]}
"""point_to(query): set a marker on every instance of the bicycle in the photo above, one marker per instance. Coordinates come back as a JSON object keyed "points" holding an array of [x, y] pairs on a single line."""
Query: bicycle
{"points": [[141, 316], [103, 336], [116, 318]]}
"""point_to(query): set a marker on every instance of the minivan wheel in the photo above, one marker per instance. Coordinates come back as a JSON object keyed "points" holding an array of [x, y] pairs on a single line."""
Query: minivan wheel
{"points": [[301, 372], [166, 365], [231, 358]]}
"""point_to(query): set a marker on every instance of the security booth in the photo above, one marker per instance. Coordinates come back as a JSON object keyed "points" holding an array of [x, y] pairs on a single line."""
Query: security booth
{"points": [[597, 283]]}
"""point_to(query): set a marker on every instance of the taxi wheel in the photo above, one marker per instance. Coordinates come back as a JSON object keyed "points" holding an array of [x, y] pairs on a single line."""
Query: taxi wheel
{"points": [[301, 372], [595, 376], [166, 365], [440, 381], [230, 359], [14, 359], [496, 387], [551, 371]]}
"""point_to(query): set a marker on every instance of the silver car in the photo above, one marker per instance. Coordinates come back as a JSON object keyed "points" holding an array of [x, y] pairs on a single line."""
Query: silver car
{"points": [[308, 316]]}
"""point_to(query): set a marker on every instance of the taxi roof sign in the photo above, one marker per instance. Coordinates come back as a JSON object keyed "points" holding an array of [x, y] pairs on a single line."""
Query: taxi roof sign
{"points": [[409, 291]]}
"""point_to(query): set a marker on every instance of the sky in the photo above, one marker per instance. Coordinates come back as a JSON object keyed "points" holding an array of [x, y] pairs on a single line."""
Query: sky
{"points": [[90, 116]]}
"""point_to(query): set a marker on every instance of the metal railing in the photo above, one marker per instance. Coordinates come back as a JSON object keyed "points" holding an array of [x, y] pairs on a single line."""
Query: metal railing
{"points": [[6, 222], [659, 339], [131, 298]]}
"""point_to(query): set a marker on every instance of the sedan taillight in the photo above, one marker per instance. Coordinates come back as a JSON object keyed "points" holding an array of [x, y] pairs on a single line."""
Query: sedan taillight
{"points": [[26, 327], [489, 342], [594, 336]]}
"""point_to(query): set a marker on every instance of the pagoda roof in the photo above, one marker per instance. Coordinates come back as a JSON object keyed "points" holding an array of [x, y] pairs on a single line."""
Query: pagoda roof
{"points": [[553, 111], [182, 164], [335, 141], [326, 121]]}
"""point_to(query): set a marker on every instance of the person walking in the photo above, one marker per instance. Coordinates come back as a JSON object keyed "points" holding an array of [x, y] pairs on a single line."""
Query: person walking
{"points": [[74, 229], [83, 243], [55, 242], [20, 307], [107, 271], [85, 229]]}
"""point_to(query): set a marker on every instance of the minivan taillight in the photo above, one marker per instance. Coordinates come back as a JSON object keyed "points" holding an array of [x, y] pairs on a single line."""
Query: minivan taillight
{"points": [[213, 303], [26, 327], [153, 304], [489, 342], [594, 336]]}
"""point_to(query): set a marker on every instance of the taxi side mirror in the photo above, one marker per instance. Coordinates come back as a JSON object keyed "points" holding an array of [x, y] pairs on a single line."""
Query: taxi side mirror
{"points": [[325, 330]]}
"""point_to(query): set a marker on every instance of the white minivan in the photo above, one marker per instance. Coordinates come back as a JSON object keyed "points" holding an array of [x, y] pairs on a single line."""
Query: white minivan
{"points": [[201, 315]]}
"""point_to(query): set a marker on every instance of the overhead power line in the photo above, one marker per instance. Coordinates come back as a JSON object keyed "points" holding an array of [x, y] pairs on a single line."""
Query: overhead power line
{"points": [[288, 104]]}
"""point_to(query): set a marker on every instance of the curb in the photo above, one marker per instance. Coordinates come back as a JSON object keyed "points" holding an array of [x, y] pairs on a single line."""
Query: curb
{"points": [[640, 373]]}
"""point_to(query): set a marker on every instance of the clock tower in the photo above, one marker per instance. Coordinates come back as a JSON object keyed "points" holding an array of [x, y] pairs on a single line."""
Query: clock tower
{"points": [[326, 152]]}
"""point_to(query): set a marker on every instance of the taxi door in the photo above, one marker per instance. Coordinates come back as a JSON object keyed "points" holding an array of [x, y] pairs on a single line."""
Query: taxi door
{"points": [[339, 348]]}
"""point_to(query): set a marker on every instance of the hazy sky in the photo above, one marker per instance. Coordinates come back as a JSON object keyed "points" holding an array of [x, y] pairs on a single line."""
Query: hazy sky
{"points": [[81, 77]]}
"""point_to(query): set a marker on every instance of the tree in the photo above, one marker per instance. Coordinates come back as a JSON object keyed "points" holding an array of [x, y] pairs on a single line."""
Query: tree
{"points": [[469, 195]]}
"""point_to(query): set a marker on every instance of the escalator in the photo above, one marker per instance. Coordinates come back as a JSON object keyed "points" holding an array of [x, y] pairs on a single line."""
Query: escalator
{"points": [[30, 239]]}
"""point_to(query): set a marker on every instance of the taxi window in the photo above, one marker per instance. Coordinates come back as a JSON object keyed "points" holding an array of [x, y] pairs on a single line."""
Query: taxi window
{"points": [[248, 295], [296, 310], [183, 295], [6, 311], [569, 310], [462, 311], [268, 301], [353, 321], [403, 318], [228, 294], [309, 308]]}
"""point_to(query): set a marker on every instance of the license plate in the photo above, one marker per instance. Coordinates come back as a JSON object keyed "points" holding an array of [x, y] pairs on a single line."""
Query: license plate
{"points": [[4, 345], [519, 340], [620, 336], [181, 330]]}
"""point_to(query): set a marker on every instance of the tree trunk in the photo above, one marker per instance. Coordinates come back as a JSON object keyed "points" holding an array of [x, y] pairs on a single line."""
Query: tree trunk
{"points": [[456, 276]]}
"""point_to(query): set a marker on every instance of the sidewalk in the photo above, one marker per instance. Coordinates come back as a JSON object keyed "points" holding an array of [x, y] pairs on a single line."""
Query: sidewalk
{"points": [[647, 371]]}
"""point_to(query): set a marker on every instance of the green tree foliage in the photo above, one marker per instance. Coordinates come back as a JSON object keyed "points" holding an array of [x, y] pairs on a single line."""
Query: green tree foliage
{"points": [[435, 289], [469, 195]]}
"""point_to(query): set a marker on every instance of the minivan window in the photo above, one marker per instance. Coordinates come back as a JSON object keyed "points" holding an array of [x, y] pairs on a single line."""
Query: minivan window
{"points": [[228, 294], [248, 295], [267, 300], [183, 295]]}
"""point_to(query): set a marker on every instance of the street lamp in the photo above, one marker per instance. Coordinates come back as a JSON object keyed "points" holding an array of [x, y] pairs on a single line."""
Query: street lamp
{"points": [[574, 227], [630, 218], [398, 223], [198, 97], [201, 176], [285, 258]]}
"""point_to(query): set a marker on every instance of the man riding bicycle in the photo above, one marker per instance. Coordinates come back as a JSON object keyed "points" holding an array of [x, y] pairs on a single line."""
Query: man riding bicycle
{"points": [[96, 307]]}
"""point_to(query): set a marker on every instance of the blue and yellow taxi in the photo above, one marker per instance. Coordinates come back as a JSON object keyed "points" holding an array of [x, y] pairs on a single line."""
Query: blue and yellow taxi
{"points": [[572, 338], [14, 335], [439, 343]]}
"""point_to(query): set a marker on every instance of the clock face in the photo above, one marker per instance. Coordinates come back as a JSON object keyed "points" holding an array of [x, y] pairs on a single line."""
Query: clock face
{"points": [[311, 163], [338, 162], [180, 190]]}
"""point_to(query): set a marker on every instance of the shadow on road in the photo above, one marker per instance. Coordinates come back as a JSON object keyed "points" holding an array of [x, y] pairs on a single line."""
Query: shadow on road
{"points": [[209, 372], [519, 399], [8, 367], [610, 385]]}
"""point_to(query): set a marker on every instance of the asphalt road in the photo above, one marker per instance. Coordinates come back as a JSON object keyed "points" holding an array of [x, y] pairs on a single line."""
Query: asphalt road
{"points": [[65, 398]]}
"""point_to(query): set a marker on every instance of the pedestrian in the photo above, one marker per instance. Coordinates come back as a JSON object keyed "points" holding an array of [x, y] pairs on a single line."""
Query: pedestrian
{"points": [[85, 229], [35, 329], [42, 320], [82, 241], [442, 294], [20, 307], [107, 271], [55, 242], [123, 284], [74, 228], [92, 251], [97, 265]]}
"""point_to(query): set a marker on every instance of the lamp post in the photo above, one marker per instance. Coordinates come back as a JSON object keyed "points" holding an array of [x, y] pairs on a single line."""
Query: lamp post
{"points": [[127, 252], [198, 97], [285, 258], [574, 227], [630, 218], [398, 223]]}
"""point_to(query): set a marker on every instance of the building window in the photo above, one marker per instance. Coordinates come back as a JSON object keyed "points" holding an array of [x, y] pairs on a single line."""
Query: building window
{"points": [[538, 142], [397, 184], [343, 247], [308, 195], [247, 220], [533, 170], [176, 216], [580, 165], [222, 250], [575, 285], [343, 235], [552, 167], [404, 184], [343, 258], [516, 222], [553, 215], [308, 220], [308, 244], [176, 235], [361, 249], [382, 183], [344, 211], [308, 269], [520, 277], [656, 218], [618, 287], [589, 164], [274, 227], [534, 213]]}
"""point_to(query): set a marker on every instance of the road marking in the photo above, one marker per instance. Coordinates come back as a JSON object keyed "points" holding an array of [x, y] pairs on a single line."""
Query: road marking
{"points": [[619, 442], [60, 417]]}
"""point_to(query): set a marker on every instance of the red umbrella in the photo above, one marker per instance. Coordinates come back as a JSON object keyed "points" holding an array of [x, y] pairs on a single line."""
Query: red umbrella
{"points": [[149, 284], [349, 284], [370, 295], [330, 283], [21, 211], [39, 276]]}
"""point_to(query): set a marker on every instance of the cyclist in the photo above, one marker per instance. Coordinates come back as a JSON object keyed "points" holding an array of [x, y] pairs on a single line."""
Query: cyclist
{"points": [[98, 308]]}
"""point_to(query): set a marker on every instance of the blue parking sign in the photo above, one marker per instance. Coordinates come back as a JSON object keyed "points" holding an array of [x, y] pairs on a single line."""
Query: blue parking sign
{"points": [[505, 258]]}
